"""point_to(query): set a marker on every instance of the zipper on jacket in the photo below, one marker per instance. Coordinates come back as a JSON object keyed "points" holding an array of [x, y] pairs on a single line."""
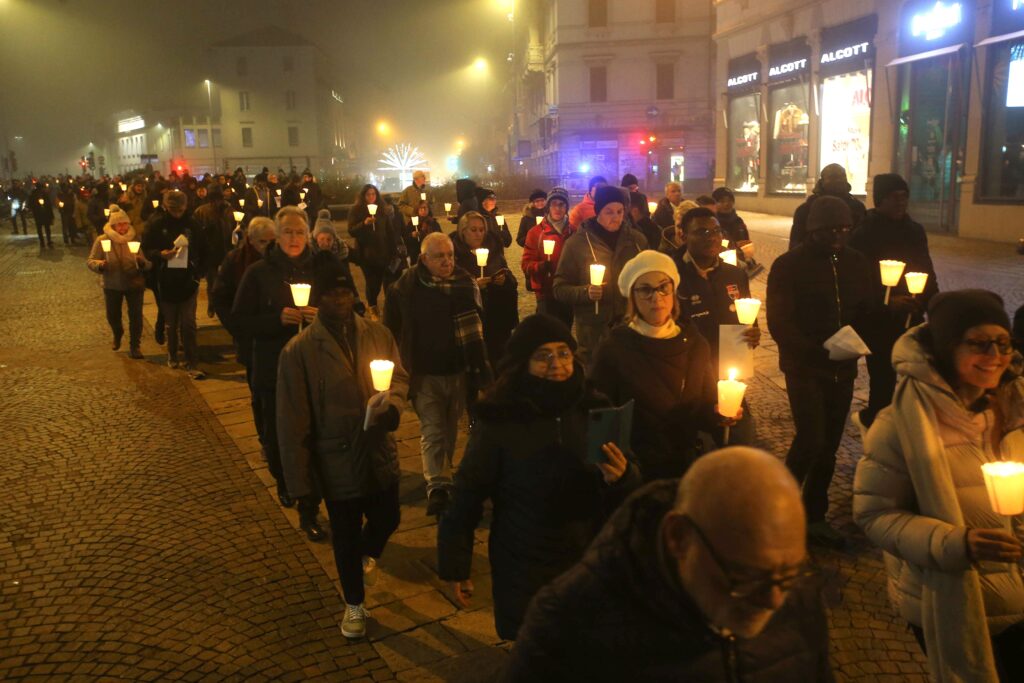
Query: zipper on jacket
{"points": [[730, 660], [558, 429], [839, 304]]}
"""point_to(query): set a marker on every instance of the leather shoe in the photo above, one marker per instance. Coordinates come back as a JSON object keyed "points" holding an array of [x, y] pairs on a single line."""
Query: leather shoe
{"points": [[314, 531], [285, 500], [437, 502], [116, 345]]}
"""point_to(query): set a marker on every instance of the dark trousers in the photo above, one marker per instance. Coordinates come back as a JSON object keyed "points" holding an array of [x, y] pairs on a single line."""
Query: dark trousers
{"points": [[557, 309], [40, 227], [114, 297], [1008, 648], [66, 228], [883, 383], [353, 540], [24, 221], [265, 406], [376, 280], [181, 325], [820, 407]]}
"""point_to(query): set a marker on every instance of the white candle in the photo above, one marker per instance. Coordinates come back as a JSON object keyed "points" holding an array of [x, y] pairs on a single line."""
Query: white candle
{"points": [[380, 373], [124, 188], [746, 310], [500, 219], [372, 208], [730, 397], [133, 246], [259, 203], [60, 204], [40, 202], [748, 250], [538, 219], [278, 191], [725, 244], [652, 206], [415, 221], [891, 272], [238, 216], [596, 280], [729, 256], [549, 248], [423, 196], [156, 203], [302, 195], [106, 212], [241, 203], [300, 293], [1005, 484], [447, 207], [481, 257], [105, 245], [916, 282]]}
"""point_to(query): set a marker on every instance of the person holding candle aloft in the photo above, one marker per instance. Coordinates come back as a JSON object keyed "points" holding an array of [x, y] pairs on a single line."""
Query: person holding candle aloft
{"points": [[534, 209], [66, 207], [335, 432], [544, 243], [526, 454], [920, 493], [663, 363], [424, 223], [640, 217], [378, 240], [123, 278], [888, 232], [41, 206], [814, 290], [604, 240], [498, 287], [664, 215], [488, 203], [409, 201]]}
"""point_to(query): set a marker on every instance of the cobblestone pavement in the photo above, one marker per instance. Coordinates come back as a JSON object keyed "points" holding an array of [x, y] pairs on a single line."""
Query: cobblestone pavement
{"points": [[177, 578]]}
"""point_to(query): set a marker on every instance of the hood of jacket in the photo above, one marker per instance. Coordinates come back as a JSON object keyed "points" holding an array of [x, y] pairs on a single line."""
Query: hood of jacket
{"points": [[530, 212], [819, 190]]}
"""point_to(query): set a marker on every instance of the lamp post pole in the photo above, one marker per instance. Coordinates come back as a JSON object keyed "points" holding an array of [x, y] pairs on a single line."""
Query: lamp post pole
{"points": [[209, 102]]}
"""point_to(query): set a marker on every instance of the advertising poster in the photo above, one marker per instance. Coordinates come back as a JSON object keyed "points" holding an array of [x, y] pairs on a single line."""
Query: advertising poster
{"points": [[846, 125]]}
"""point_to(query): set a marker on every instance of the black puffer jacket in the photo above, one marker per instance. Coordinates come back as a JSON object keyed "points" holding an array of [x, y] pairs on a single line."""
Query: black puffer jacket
{"points": [[501, 302], [175, 285], [549, 503], [620, 615], [811, 294], [262, 294]]}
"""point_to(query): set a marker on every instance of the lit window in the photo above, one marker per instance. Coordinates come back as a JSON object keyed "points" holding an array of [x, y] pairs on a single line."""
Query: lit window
{"points": [[190, 137]]}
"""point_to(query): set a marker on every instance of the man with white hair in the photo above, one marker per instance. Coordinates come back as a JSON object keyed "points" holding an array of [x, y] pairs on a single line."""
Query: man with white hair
{"points": [[264, 314], [433, 311], [703, 578], [411, 197]]}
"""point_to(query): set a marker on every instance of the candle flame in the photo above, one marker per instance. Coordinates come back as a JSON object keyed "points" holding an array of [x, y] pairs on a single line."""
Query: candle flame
{"points": [[732, 374]]}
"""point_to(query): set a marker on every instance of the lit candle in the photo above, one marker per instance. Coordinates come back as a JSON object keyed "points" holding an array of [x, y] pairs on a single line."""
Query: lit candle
{"points": [[241, 203], [380, 374], [729, 256], [300, 295], [481, 259], [105, 244], [238, 216], [746, 310], [500, 219], [652, 207], [725, 244], [891, 272], [372, 208], [106, 212], [447, 207], [259, 203], [40, 201], [549, 248], [915, 285], [124, 188], [748, 250], [302, 195], [61, 204], [596, 280], [133, 246], [278, 191], [415, 221], [538, 219], [1005, 484], [156, 203], [423, 196], [730, 397]]}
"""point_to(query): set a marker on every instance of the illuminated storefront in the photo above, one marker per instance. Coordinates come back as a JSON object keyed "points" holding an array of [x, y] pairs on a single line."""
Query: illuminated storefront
{"points": [[1002, 171], [743, 86], [788, 117]]}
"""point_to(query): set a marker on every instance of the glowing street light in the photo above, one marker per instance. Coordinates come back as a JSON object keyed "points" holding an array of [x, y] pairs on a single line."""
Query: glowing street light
{"points": [[383, 128], [480, 65]]}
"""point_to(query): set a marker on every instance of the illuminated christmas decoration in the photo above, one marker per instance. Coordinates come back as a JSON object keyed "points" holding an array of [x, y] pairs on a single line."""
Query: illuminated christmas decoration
{"points": [[403, 159]]}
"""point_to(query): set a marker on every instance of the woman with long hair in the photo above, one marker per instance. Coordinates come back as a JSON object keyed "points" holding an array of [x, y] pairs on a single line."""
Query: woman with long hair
{"points": [[381, 252]]}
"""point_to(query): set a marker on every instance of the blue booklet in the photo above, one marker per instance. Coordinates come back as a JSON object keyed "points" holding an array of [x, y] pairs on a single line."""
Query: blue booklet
{"points": [[606, 425]]}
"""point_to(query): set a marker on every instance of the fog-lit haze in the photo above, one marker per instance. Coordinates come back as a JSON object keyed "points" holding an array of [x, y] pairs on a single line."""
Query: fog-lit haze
{"points": [[69, 65]]}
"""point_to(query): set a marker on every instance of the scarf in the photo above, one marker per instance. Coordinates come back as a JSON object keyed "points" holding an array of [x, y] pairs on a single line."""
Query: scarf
{"points": [[552, 398], [669, 330], [560, 225], [462, 289], [952, 609], [609, 238]]}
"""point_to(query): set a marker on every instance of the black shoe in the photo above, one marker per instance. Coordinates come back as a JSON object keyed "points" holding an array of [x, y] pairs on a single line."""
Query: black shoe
{"points": [[314, 531], [158, 336], [117, 342], [437, 502], [823, 535], [283, 498], [135, 353]]}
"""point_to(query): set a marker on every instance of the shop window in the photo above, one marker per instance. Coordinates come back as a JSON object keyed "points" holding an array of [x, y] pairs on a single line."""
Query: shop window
{"points": [[598, 84], [666, 81], [247, 137], [598, 14], [1003, 159], [744, 143], [190, 137], [788, 122], [665, 11], [846, 125]]}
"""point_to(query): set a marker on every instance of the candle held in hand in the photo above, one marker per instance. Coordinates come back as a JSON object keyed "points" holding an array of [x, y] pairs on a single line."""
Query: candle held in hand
{"points": [[549, 247], [539, 219], [1004, 482], [500, 220], [747, 309], [891, 272], [916, 282], [300, 293], [105, 245], [447, 207], [729, 256], [481, 257], [372, 208], [423, 196], [241, 203], [380, 373], [725, 244], [415, 221], [238, 216], [652, 207], [133, 247], [106, 212], [156, 203], [730, 397]]}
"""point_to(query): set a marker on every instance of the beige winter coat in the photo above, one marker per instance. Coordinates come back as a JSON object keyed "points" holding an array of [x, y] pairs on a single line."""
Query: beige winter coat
{"points": [[121, 269], [885, 502]]}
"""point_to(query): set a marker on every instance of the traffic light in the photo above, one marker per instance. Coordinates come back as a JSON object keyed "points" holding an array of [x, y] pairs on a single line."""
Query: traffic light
{"points": [[92, 161]]}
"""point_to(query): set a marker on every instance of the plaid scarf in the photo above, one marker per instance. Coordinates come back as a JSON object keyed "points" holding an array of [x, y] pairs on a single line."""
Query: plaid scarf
{"points": [[469, 328]]}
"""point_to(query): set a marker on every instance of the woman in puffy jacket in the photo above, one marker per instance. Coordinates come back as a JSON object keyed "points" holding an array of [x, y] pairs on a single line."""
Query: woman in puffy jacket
{"points": [[953, 563]]}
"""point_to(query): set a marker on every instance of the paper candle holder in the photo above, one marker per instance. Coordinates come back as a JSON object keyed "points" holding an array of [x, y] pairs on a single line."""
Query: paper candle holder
{"points": [[597, 280], [725, 244], [747, 309], [500, 219], [415, 221], [105, 245], [380, 374], [481, 259], [241, 203], [730, 398], [60, 204], [372, 208], [538, 219], [106, 212], [133, 246], [549, 247], [447, 207], [652, 207], [40, 201], [156, 203], [891, 272], [238, 216], [729, 256], [300, 293], [1004, 482], [916, 282], [423, 196], [278, 192]]}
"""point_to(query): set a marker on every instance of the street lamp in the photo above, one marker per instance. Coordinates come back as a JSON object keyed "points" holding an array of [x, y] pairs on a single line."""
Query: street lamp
{"points": [[209, 123]]}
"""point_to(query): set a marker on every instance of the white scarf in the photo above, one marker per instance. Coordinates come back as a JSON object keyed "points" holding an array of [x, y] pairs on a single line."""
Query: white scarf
{"points": [[667, 331]]}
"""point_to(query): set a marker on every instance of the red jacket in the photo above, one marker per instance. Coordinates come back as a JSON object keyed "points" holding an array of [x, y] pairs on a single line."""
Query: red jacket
{"points": [[535, 263]]}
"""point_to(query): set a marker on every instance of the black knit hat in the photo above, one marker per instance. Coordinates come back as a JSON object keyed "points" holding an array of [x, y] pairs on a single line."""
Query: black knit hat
{"points": [[950, 314], [629, 179], [483, 193], [538, 194], [608, 194], [638, 200], [532, 333], [885, 184], [828, 212], [333, 278]]}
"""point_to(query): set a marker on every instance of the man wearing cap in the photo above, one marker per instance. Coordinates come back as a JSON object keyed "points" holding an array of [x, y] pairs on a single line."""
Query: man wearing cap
{"points": [[607, 240], [832, 183], [533, 210], [584, 211], [410, 200], [888, 232], [539, 267], [336, 428], [814, 290], [173, 243]]}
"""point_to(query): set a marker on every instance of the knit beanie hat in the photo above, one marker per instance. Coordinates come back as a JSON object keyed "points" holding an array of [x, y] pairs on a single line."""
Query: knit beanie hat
{"points": [[629, 179], [117, 215], [608, 194], [533, 332], [950, 314], [324, 224], [596, 180], [538, 194], [827, 212], [887, 183], [483, 193], [334, 277], [558, 193], [175, 199], [647, 261]]}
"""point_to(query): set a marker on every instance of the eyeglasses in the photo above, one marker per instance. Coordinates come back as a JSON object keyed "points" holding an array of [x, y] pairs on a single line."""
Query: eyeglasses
{"points": [[982, 347], [748, 582], [837, 229], [563, 356], [706, 232], [648, 292]]}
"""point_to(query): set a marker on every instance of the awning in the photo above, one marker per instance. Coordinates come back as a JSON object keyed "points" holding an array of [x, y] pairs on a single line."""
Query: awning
{"points": [[1000, 39], [926, 55]]}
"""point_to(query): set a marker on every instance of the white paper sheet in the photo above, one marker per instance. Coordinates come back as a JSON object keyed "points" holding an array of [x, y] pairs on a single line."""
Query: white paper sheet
{"points": [[180, 260], [846, 344]]}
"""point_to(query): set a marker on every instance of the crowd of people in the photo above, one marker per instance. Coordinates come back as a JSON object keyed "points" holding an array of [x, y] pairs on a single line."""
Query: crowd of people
{"points": [[674, 549]]}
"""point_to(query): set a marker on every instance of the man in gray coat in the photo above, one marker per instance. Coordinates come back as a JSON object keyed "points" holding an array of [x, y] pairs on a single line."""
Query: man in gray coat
{"points": [[335, 428]]}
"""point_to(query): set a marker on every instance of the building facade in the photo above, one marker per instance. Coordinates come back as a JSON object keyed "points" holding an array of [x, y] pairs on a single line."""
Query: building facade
{"points": [[609, 88], [930, 89]]}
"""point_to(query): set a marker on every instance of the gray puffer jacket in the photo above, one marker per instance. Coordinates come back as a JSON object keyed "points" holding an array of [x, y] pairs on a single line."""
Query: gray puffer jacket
{"points": [[884, 502]]}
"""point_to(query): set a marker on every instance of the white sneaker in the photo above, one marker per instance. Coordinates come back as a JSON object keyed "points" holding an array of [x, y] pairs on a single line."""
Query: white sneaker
{"points": [[354, 623], [370, 571]]}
